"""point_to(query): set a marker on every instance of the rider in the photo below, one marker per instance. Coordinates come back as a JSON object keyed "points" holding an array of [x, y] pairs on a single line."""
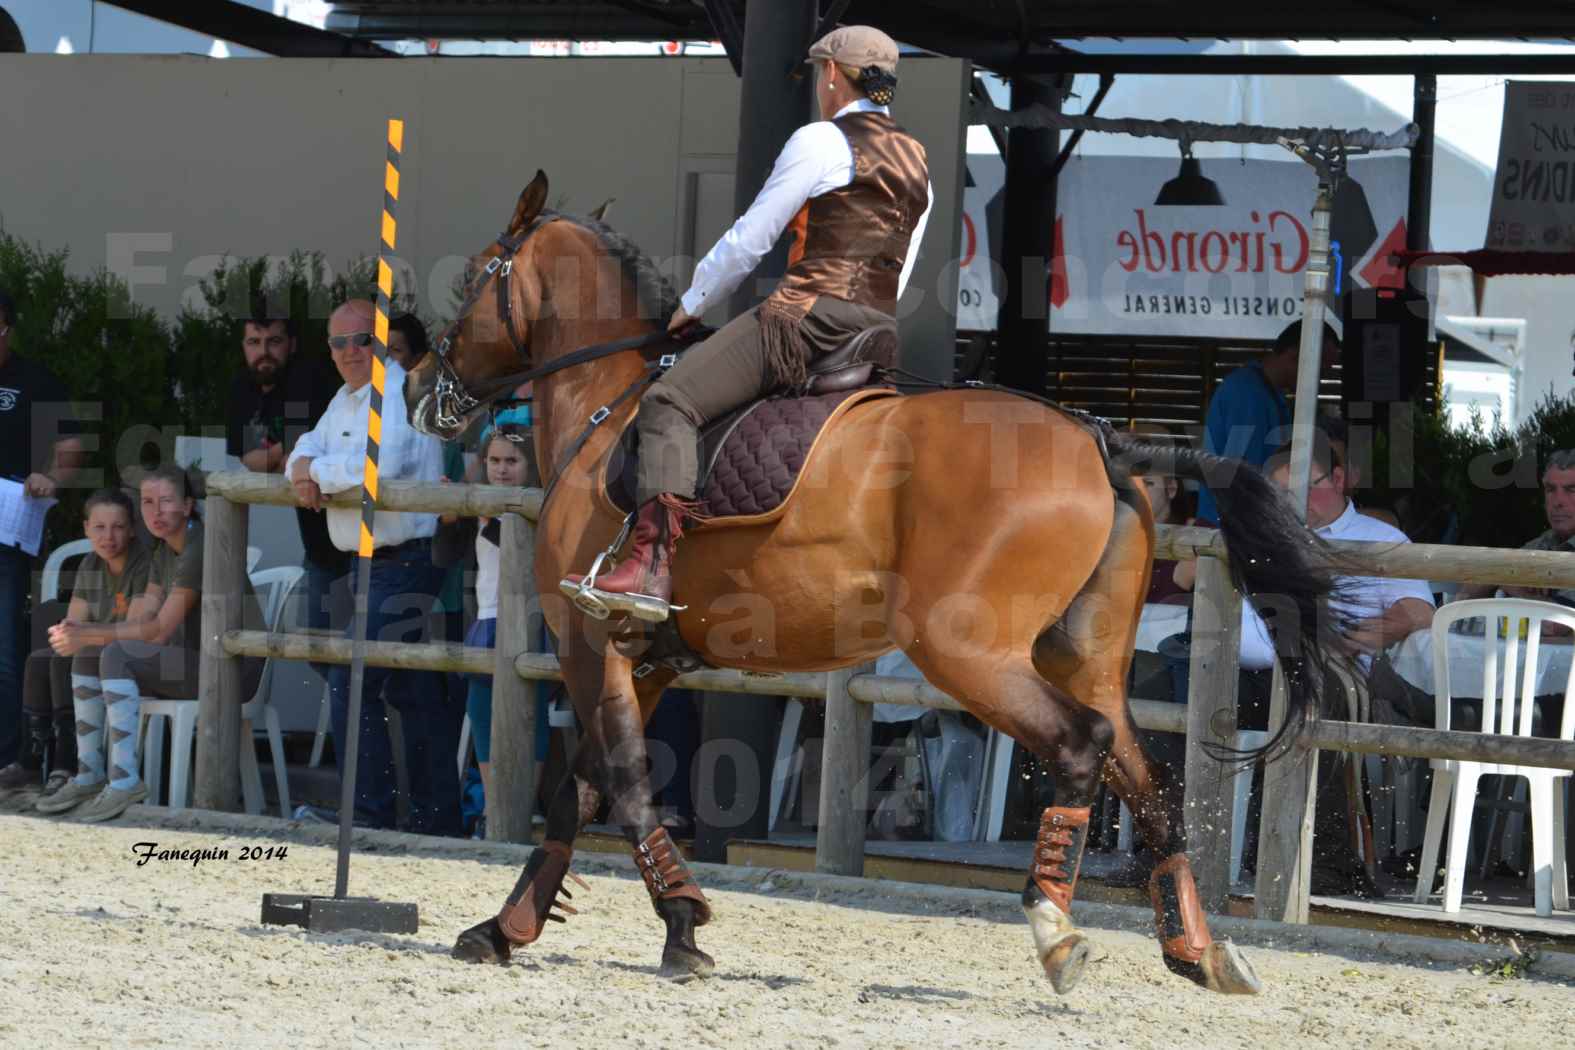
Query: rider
{"points": [[854, 188]]}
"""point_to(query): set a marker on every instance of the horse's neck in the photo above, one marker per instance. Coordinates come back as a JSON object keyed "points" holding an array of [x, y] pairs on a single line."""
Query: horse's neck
{"points": [[565, 401]]}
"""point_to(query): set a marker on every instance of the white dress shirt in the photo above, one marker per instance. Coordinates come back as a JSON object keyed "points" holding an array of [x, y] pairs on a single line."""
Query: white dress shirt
{"points": [[1362, 597], [815, 161], [337, 448]]}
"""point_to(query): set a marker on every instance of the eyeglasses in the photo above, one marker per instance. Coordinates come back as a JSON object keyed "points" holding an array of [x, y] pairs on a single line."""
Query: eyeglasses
{"points": [[339, 342]]}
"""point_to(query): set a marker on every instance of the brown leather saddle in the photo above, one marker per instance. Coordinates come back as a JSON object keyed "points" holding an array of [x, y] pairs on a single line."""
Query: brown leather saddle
{"points": [[751, 457]]}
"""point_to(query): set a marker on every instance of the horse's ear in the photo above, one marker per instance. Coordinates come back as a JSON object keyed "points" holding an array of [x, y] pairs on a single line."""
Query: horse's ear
{"points": [[532, 199], [600, 214]]}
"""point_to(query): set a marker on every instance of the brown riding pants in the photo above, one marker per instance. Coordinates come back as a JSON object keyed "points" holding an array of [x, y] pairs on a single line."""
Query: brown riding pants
{"points": [[717, 376]]}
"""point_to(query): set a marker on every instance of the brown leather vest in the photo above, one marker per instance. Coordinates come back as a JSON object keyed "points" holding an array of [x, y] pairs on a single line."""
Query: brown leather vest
{"points": [[850, 243]]}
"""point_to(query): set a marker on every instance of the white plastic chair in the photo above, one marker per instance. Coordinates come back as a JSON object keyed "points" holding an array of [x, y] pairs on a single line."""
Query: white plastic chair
{"points": [[277, 585], [49, 580], [253, 556], [1507, 710]]}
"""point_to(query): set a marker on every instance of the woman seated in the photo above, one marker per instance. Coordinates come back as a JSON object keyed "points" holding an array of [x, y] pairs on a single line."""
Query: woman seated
{"points": [[154, 651], [107, 579]]}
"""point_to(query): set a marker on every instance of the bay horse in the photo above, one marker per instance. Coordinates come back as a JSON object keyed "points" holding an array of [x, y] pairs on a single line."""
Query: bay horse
{"points": [[998, 541]]}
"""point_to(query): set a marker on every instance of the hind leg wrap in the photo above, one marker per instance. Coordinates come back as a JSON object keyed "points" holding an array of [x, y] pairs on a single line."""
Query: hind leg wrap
{"points": [[1178, 913]]}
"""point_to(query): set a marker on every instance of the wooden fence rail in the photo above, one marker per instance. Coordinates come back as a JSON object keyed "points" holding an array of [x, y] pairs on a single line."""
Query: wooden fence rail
{"points": [[1209, 714]]}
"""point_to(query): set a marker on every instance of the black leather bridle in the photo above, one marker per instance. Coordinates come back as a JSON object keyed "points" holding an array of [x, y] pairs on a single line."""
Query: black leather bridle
{"points": [[453, 401]]}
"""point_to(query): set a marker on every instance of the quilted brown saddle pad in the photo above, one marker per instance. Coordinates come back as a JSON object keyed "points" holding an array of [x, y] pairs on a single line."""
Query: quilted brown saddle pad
{"points": [[750, 458]]}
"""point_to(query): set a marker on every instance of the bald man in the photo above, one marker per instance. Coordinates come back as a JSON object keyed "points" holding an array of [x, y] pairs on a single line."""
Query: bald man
{"points": [[404, 583]]}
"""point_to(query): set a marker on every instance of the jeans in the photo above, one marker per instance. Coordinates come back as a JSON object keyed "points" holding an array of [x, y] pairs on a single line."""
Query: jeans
{"points": [[403, 589], [328, 604], [15, 578]]}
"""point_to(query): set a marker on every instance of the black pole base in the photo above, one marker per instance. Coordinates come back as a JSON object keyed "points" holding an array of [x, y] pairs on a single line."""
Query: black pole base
{"points": [[333, 914]]}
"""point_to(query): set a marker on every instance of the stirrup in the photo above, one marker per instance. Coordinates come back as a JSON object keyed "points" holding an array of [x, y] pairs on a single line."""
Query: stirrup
{"points": [[584, 594], [600, 605]]}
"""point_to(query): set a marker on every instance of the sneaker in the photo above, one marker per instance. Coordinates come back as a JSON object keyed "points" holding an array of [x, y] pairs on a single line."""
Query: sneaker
{"points": [[57, 780], [16, 776], [111, 803], [70, 795]]}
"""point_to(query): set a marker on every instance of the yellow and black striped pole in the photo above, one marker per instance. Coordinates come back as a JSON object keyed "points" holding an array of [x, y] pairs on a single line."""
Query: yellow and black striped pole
{"points": [[374, 435]]}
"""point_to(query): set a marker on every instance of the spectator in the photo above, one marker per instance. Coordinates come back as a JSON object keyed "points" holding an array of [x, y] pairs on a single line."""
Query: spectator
{"points": [[1166, 500], [39, 448], [407, 340], [1334, 429], [404, 584], [508, 460], [106, 582], [280, 396], [1378, 613], [156, 650], [1558, 504], [1248, 415]]}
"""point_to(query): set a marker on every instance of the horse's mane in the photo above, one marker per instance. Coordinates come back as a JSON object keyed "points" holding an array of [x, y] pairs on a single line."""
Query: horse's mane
{"points": [[658, 300]]}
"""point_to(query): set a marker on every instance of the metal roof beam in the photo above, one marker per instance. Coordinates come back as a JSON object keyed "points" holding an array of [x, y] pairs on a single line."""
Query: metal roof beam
{"points": [[250, 27], [1297, 65]]}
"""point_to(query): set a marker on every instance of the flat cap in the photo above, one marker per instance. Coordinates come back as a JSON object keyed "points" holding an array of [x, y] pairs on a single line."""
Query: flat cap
{"points": [[857, 46]]}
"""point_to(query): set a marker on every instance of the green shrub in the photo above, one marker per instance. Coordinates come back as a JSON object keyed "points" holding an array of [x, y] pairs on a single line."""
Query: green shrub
{"points": [[1478, 485]]}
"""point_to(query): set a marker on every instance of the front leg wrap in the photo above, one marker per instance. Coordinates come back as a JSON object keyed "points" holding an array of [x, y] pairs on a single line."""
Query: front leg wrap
{"points": [[539, 890], [667, 877], [1047, 898]]}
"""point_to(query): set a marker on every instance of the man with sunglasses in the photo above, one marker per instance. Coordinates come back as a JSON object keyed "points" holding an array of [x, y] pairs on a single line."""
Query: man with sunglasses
{"points": [[404, 586], [853, 188]]}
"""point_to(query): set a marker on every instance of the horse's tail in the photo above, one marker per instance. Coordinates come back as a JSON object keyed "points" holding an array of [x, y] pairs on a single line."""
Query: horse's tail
{"points": [[1286, 570]]}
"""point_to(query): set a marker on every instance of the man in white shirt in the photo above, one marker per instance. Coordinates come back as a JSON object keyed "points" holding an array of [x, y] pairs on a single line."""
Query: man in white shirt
{"points": [[331, 458], [854, 189]]}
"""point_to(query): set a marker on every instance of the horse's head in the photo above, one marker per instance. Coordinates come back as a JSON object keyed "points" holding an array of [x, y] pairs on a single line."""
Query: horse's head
{"points": [[490, 336]]}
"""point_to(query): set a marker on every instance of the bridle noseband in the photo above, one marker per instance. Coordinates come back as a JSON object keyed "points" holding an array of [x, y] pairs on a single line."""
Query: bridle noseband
{"points": [[453, 401]]}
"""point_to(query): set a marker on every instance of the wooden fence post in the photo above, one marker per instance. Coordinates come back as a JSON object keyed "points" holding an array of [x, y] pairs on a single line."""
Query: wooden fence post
{"points": [[218, 779], [1285, 832], [511, 797], [844, 778], [1211, 719]]}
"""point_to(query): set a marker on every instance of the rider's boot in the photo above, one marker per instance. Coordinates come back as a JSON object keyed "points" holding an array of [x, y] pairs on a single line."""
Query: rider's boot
{"points": [[642, 582]]}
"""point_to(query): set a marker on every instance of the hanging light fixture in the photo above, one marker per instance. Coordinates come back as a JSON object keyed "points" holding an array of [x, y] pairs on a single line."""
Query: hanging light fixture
{"points": [[1189, 187]]}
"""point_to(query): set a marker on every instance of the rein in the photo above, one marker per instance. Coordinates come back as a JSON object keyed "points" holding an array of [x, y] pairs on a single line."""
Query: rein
{"points": [[455, 400]]}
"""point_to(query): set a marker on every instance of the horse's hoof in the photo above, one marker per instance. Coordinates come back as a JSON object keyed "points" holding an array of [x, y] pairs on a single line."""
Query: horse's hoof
{"points": [[482, 943], [681, 964], [1065, 962], [1223, 969], [1227, 971]]}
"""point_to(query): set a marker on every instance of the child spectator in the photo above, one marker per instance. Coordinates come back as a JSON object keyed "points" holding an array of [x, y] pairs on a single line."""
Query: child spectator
{"points": [[506, 459], [106, 582], [155, 651]]}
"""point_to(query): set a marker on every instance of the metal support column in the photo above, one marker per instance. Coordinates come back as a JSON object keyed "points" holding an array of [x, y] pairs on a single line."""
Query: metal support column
{"points": [[1028, 242], [773, 106]]}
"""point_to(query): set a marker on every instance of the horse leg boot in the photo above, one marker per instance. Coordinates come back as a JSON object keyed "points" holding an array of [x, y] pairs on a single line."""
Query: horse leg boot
{"points": [[1184, 937], [1047, 897], [539, 896], [679, 902]]}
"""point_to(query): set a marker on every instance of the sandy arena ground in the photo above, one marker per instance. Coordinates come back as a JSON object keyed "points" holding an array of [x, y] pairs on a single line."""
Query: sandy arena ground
{"points": [[96, 951]]}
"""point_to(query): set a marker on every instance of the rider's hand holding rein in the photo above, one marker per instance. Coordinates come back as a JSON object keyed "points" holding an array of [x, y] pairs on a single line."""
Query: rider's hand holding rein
{"points": [[681, 320]]}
